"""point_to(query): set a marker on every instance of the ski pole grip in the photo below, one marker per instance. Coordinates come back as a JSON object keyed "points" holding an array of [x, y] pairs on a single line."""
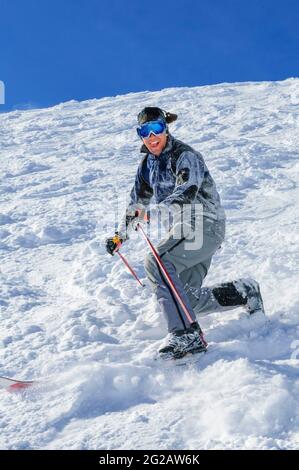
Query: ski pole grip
{"points": [[142, 215], [117, 241]]}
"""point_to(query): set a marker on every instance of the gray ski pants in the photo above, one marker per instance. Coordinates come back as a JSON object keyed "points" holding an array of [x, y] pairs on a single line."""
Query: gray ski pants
{"points": [[187, 268]]}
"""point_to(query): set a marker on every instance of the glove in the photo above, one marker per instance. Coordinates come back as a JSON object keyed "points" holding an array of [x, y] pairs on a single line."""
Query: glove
{"points": [[113, 244], [132, 217], [140, 216]]}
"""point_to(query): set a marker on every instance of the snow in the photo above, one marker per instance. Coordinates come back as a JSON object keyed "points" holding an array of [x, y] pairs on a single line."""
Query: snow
{"points": [[74, 319]]}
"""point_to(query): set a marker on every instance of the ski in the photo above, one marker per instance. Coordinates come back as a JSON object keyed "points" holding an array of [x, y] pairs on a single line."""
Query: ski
{"points": [[13, 384]]}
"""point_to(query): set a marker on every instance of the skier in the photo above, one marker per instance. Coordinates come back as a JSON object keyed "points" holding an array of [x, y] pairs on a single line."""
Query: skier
{"points": [[177, 176]]}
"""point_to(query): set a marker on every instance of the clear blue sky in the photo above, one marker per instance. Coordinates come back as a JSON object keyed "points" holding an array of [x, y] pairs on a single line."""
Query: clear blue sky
{"points": [[56, 50]]}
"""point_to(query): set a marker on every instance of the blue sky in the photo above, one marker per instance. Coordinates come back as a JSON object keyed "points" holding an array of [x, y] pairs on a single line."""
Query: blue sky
{"points": [[56, 50]]}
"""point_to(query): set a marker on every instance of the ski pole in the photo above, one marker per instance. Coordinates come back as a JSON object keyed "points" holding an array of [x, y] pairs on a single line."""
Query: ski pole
{"points": [[167, 275], [130, 269], [118, 243]]}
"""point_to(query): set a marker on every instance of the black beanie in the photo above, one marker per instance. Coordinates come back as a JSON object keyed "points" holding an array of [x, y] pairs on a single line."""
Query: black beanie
{"points": [[154, 114]]}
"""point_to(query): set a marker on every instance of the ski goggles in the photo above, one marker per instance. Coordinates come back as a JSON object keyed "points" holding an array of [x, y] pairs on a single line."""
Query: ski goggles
{"points": [[151, 127]]}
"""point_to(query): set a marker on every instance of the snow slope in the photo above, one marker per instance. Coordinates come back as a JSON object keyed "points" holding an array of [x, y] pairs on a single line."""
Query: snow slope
{"points": [[72, 315]]}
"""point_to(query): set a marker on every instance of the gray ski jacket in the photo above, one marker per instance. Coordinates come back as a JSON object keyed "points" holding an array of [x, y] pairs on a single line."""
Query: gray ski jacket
{"points": [[178, 175]]}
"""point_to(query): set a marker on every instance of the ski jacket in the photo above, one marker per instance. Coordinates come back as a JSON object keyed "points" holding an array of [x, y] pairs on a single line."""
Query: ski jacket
{"points": [[178, 175]]}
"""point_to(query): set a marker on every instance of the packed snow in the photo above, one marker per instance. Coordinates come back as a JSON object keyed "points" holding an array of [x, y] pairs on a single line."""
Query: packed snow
{"points": [[74, 319]]}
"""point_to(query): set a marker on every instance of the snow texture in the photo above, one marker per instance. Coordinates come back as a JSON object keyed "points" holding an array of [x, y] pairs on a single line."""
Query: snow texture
{"points": [[73, 317]]}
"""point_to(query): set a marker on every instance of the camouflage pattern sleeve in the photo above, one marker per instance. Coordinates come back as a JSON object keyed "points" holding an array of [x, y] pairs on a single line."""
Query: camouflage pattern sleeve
{"points": [[140, 196]]}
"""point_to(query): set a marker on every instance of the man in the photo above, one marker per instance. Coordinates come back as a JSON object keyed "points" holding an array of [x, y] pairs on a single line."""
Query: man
{"points": [[178, 178]]}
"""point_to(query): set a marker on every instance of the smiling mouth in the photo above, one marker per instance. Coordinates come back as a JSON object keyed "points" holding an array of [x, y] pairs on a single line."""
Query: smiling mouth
{"points": [[154, 144]]}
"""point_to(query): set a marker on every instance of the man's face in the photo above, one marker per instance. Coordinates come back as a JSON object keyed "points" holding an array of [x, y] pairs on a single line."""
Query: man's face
{"points": [[156, 143]]}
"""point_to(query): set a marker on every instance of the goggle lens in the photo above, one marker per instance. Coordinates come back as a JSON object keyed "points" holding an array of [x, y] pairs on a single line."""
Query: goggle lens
{"points": [[153, 127]]}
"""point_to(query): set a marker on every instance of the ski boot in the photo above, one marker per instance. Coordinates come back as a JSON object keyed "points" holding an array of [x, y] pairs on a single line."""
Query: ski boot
{"points": [[244, 291], [180, 343]]}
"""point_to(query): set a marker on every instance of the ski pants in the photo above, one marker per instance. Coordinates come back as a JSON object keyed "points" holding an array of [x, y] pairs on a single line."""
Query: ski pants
{"points": [[187, 269]]}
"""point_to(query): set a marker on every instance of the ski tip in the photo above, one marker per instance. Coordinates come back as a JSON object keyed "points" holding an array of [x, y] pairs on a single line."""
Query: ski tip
{"points": [[14, 385], [19, 386]]}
